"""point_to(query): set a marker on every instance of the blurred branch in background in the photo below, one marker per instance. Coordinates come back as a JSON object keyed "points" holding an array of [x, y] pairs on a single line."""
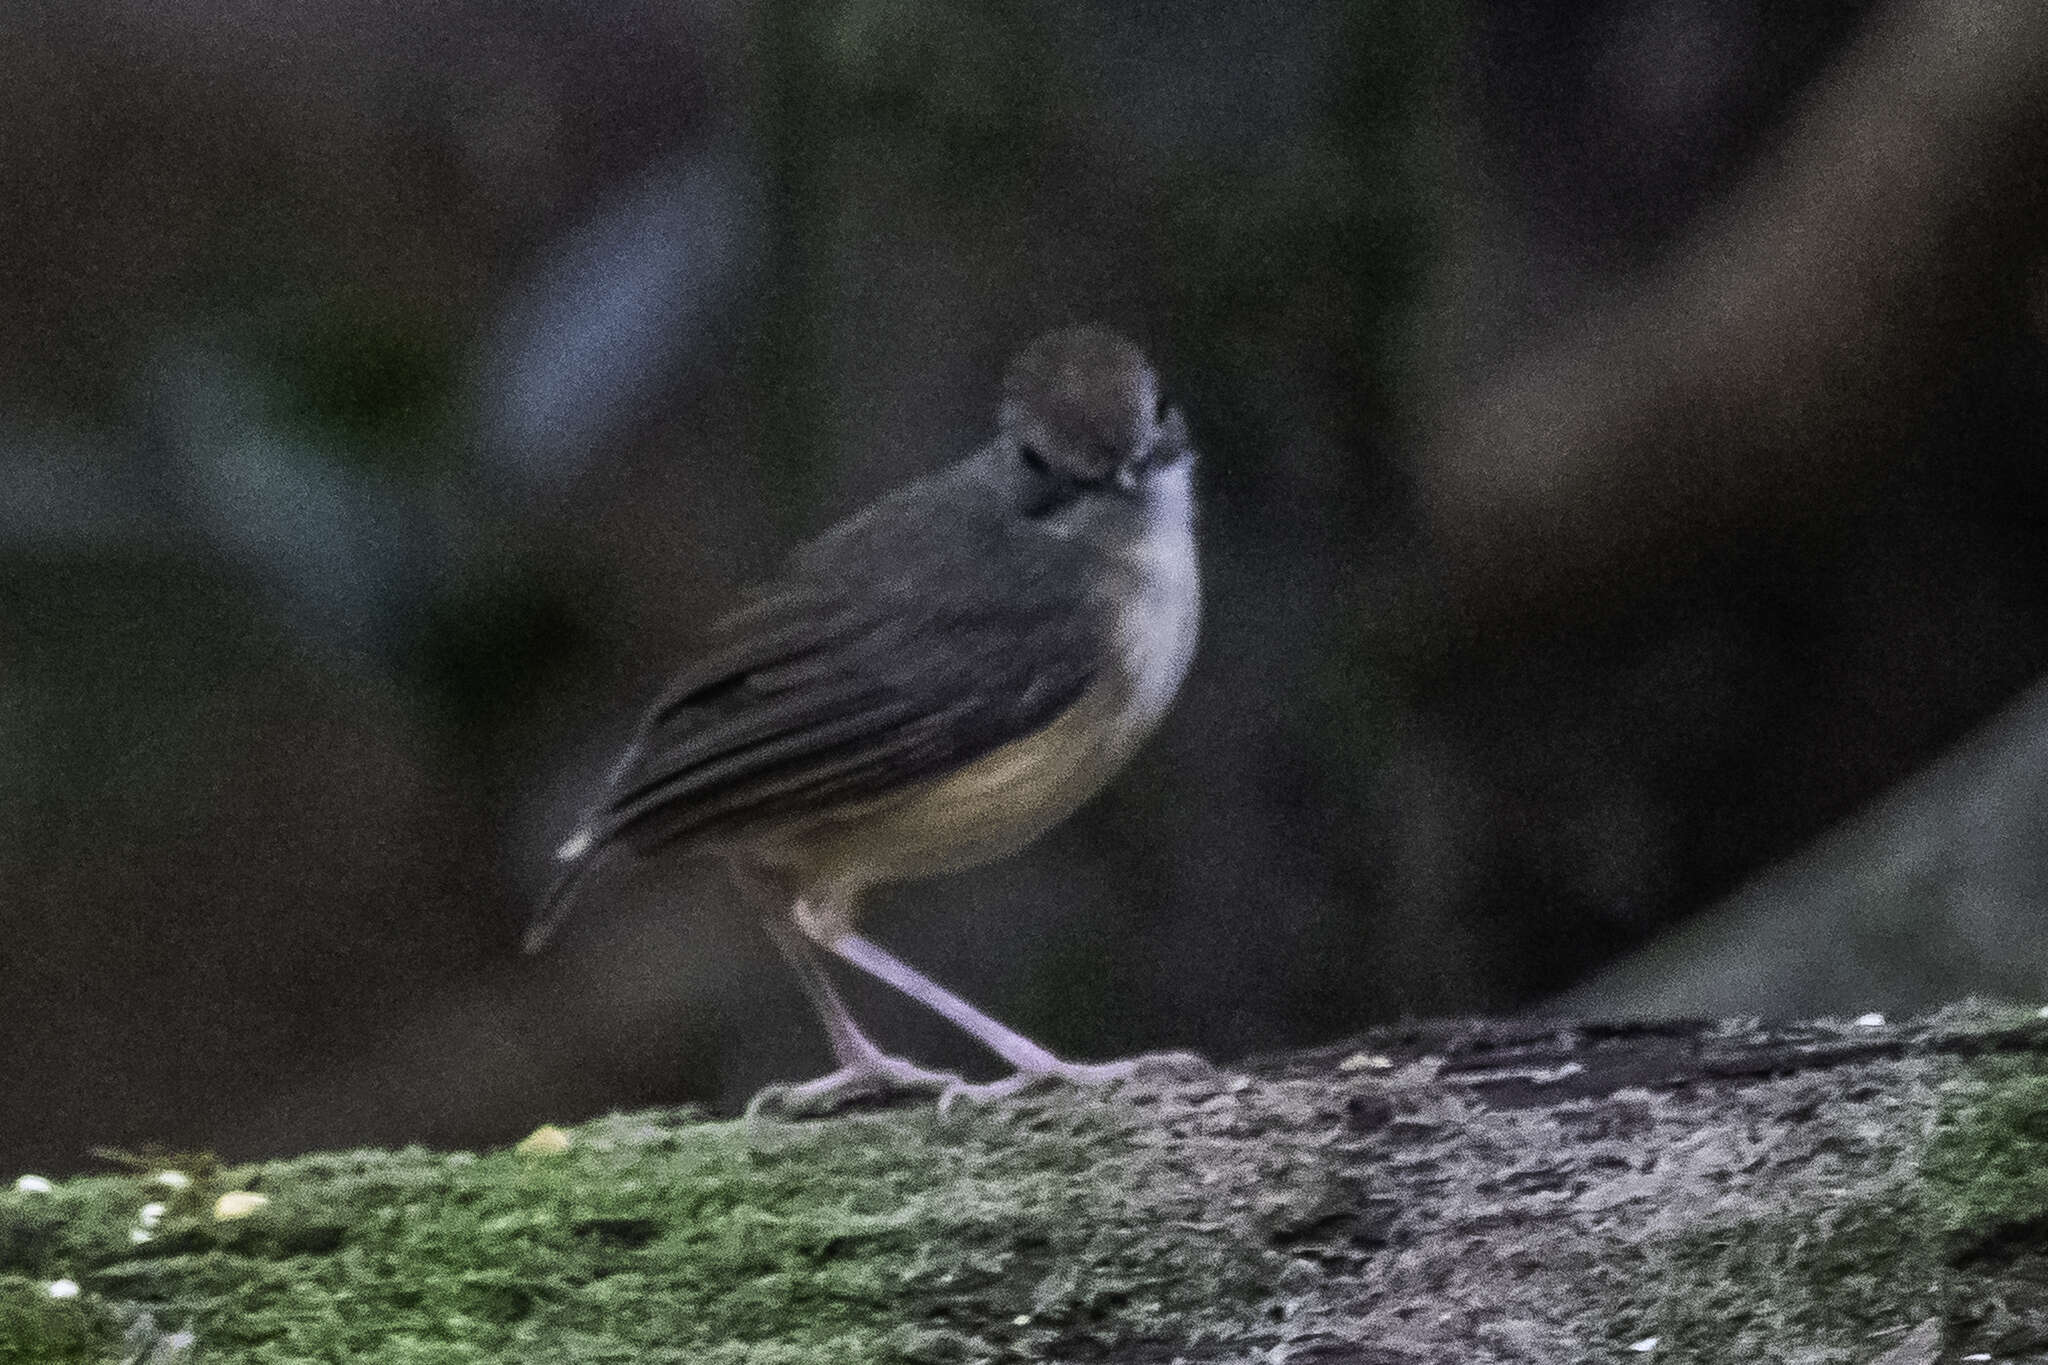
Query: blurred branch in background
{"points": [[1934, 892], [1736, 521], [621, 302], [1819, 407], [1775, 363]]}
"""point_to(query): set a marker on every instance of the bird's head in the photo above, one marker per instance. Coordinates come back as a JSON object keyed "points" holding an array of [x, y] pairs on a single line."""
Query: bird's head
{"points": [[1081, 413]]}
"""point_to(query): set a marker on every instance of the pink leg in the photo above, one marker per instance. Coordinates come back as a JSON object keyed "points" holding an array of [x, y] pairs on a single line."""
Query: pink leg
{"points": [[1032, 1062], [849, 1044], [1012, 1046], [864, 1071]]}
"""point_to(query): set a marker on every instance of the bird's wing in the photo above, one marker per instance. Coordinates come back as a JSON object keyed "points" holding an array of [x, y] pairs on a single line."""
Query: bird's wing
{"points": [[822, 697], [902, 645], [898, 647]]}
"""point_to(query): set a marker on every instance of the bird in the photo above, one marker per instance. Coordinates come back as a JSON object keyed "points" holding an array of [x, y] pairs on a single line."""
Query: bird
{"points": [[927, 686]]}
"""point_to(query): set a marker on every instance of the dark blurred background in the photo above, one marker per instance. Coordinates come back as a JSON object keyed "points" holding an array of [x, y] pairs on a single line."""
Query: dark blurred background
{"points": [[1623, 429]]}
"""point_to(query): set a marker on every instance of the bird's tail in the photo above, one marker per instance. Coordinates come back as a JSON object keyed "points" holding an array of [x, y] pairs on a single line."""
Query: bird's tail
{"points": [[578, 856]]}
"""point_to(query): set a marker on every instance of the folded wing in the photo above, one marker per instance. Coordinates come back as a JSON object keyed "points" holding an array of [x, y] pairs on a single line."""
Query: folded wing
{"points": [[848, 680]]}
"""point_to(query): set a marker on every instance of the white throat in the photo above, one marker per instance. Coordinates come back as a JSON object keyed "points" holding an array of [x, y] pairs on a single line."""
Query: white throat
{"points": [[1160, 616]]}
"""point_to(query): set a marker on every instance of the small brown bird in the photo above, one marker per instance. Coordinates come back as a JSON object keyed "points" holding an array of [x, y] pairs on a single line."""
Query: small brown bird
{"points": [[929, 685]]}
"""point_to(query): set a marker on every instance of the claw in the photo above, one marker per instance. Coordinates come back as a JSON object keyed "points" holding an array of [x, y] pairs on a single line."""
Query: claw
{"points": [[877, 1080], [882, 1079], [1161, 1067], [983, 1092]]}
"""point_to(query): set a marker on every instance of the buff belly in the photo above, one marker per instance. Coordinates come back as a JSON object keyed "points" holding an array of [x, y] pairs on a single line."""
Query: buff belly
{"points": [[983, 811]]}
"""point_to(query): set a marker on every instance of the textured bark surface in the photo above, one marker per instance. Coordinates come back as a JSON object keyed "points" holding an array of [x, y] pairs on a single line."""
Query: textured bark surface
{"points": [[1472, 1191]]}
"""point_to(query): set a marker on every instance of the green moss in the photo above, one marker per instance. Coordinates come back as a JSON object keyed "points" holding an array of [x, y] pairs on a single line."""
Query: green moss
{"points": [[36, 1329], [1807, 1283], [1986, 1163], [1817, 1281], [881, 1237]]}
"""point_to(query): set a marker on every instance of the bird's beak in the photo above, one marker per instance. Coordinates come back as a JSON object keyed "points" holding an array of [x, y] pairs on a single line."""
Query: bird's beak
{"points": [[1171, 445]]}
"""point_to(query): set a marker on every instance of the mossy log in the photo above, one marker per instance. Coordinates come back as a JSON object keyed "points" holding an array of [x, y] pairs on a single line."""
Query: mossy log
{"points": [[1830, 1192]]}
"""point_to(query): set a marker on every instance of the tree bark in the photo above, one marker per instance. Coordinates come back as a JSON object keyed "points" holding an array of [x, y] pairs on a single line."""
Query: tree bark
{"points": [[1480, 1191]]}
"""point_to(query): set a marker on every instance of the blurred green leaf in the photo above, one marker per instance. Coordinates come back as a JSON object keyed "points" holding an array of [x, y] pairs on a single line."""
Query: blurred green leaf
{"points": [[378, 381]]}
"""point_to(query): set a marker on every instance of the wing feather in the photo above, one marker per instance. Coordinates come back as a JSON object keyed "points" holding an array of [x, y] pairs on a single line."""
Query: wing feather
{"points": [[901, 645]]}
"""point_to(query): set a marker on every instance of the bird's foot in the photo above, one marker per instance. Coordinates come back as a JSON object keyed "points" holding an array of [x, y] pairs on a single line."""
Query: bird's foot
{"points": [[1161, 1068], [879, 1079]]}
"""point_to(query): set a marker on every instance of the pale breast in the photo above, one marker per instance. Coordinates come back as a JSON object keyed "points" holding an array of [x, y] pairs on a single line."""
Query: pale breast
{"points": [[990, 807], [1159, 614]]}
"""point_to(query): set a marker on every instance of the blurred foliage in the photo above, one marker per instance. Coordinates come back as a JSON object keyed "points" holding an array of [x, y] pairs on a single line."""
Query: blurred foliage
{"points": [[1298, 273], [485, 640], [376, 379], [103, 746], [950, 71]]}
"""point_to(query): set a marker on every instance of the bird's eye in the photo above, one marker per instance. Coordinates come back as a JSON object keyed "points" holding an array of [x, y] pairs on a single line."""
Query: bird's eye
{"points": [[1049, 489]]}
